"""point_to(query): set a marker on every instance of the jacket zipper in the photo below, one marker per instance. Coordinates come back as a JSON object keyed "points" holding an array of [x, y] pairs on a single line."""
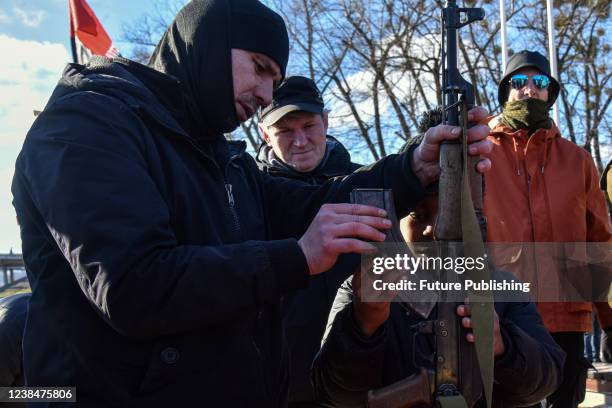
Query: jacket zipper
{"points": [[230, 193], [232, 206], [228, 186], [531, 215]]}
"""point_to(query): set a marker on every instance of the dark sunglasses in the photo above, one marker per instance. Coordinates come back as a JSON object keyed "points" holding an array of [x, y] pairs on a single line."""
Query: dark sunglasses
{"points": [[519, 81]]}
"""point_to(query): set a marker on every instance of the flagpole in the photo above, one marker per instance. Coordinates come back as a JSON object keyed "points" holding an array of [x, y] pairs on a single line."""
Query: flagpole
{"points": [[74, 50], [552, 53], [72, 34], [502, 16]]}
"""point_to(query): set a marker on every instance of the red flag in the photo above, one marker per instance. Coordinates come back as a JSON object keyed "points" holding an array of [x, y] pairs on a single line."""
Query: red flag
{"points": [[87, 32]]}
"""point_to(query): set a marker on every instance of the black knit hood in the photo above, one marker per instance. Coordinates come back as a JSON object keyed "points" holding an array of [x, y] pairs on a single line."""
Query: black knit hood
{"points": [[196, 50]]}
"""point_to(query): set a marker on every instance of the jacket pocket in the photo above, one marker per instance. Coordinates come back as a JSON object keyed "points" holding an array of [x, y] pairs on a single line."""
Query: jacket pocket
{"points": [[178, 359], [219, 361], [164, 365]]}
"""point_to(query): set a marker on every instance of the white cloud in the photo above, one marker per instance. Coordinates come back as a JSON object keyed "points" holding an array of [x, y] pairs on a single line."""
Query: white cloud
{"points": [[27, 79], [360, 83], [29, 18], [4, 18]]}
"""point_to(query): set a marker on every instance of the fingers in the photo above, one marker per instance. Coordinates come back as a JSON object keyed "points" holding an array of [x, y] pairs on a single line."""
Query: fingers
{"points": [[483, 165], [376, 222], [438, 134], [355, 209], [477, 114], [355, 220], [358, 230], [464, 310], [346, 245], [341, 228], [480, 147], [477, 133]]}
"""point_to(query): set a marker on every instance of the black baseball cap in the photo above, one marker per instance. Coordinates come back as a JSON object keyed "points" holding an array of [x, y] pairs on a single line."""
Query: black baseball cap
{"points": [[296, 93]]}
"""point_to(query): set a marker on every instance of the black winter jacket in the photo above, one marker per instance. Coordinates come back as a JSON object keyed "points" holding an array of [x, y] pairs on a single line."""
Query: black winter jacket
{"points": [[349, 364], [305, 311], [13, 311], [157, 261]]}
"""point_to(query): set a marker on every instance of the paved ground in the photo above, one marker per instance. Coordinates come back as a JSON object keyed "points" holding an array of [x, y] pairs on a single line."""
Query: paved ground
{"points": [[596, 400], [599, 387]]}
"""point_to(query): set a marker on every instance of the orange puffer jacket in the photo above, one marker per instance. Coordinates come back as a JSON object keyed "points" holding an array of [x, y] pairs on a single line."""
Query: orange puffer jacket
{"points": [[543, 188]]}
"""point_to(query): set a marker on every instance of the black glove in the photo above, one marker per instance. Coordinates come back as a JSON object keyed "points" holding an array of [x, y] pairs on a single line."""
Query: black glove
{"points": [[606, 345]]}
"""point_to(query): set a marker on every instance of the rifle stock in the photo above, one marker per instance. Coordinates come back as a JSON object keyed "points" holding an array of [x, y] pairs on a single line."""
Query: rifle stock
{"points": [[413, 391]]}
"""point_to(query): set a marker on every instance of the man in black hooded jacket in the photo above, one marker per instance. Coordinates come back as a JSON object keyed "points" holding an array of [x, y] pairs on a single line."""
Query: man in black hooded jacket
{"points": [[297, 146], [156, 251]]}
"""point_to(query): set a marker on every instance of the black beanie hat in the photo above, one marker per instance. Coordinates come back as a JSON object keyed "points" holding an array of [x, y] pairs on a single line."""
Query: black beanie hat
{"points": [[256, 28], [524, 59]]}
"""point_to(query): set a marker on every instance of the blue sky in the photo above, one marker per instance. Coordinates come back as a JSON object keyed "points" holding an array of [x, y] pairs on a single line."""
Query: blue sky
{"points": [[35, 47], [47, 20]]}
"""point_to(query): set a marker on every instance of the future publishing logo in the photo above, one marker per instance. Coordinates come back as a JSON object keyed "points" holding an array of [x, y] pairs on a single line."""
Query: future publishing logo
{"points": [[466, 285]]}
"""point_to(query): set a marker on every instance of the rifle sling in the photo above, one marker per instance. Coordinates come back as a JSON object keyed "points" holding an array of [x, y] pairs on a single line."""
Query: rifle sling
{"points": [[481, 302], [456, 401]]}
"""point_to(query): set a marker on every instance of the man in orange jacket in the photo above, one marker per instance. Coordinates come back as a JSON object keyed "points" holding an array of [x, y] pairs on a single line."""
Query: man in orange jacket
{"points": [[544, 188]]}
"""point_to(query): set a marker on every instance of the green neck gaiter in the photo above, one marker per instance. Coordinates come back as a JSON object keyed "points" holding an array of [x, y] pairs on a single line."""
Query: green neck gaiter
{"points": [[526, 114]]}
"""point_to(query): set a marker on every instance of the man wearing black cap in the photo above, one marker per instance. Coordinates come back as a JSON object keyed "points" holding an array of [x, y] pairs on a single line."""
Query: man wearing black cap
{"points": [[543, 189], [297, 146], [294, 127], [156, 250]]}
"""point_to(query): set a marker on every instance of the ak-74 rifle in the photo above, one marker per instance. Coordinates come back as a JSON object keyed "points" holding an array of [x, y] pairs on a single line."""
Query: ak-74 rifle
{"points": [[462, 370]]}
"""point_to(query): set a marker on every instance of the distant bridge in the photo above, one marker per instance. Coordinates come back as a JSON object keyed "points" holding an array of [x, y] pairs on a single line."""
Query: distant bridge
{"points": [[9, 263]]}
